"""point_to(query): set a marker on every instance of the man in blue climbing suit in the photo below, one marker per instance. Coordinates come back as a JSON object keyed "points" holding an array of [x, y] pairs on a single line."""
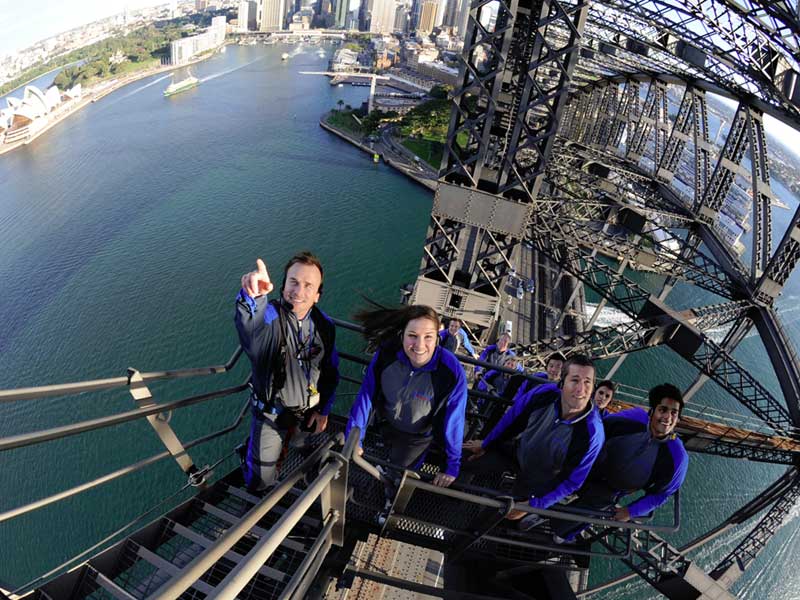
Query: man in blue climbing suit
{"points": [[549, 438], [641, 452], [292, 350]]}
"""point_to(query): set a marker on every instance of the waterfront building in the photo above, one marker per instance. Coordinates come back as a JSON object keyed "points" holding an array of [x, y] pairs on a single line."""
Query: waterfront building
{"points": [[272, 15], [25, 117], [382, 16], [344, 60], [427, 17], [183, 50], [461, 17], [200, 5]]}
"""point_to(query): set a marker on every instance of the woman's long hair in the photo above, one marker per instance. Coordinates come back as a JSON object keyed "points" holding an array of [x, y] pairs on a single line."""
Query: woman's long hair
{"points": [[383, 326]]}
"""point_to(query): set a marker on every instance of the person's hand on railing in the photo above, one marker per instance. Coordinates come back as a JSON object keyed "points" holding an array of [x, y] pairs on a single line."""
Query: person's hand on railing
{"points": [[475, 448], [443, 479], [622, 514], [257, 283], [318, 422]]}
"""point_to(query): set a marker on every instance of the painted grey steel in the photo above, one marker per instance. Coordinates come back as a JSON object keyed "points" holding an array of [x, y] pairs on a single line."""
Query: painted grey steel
{"points": [[204, 561]]}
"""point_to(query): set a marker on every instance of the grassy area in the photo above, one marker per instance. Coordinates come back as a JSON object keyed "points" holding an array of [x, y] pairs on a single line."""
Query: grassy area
{"points": [[344, 120], [428, 150]]}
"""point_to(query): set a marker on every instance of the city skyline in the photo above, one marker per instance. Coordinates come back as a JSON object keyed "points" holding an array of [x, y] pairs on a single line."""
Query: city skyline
{"points": [[23, 27]]}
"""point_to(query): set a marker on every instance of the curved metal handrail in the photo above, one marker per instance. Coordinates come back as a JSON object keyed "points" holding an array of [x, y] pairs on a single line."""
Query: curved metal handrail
{"points": [[68, 389], [127, 470]]}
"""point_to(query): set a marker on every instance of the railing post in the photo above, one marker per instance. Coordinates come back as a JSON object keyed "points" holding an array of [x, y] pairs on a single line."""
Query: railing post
{"points": [[160, 422]]}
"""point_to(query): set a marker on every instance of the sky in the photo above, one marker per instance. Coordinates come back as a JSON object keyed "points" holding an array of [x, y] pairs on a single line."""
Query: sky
{"points": [[23, 23]]}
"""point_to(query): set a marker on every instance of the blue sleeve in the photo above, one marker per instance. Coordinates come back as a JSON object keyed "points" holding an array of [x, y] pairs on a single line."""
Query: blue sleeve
{"points": [[488, 379], [647, 504], [482, 357], [359, 413], [251, 325], [328, 377], [465, 341], [578, 475], [516, 417], [454, 422]]}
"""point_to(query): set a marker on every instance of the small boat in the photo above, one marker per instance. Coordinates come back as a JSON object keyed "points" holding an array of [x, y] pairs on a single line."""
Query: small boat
{"points": [[222, 50], [285, 56], [181, 86], [340, 85]]}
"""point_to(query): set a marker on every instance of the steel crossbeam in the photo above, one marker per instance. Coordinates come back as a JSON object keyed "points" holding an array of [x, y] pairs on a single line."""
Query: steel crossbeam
{"points": [[710, 358], [727, 43]]}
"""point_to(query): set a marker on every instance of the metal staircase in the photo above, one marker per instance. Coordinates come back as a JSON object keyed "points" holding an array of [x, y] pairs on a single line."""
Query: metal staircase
{"points": [[225, 542]]}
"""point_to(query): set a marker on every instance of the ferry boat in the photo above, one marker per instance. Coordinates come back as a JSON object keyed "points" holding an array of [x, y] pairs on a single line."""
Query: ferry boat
{"points": [[181, 86], [285, 56]]}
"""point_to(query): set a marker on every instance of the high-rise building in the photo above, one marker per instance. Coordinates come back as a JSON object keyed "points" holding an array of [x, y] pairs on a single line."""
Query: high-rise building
{"points": [[382, 17], [247, 15], [451, 12], [342, 8], [272, 15], [427, 16], [462, 17], [401, 18]]}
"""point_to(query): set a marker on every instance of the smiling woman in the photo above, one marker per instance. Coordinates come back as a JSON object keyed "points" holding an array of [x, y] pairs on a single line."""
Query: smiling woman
{"points": [[417, 388]]}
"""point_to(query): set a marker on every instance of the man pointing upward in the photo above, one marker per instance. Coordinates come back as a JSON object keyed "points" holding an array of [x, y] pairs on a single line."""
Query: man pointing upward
{"points": [[292, 351]]}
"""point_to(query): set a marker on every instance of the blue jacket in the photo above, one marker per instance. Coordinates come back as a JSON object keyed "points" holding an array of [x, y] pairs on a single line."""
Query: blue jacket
{"points": [[490, 354], [258, 326], [430, 400], [555, 455], [633, 460], [462, 337]]}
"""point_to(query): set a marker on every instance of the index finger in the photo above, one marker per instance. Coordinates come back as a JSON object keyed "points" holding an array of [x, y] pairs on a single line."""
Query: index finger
{"points": [[262, 268]]}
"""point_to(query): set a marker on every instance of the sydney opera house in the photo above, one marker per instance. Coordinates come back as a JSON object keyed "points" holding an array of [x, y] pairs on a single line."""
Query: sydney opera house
{"points": [[24, 117]]}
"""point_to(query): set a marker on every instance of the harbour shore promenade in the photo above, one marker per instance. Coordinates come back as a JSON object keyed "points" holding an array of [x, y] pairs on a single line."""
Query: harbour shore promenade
{"points": [[90, 95]]}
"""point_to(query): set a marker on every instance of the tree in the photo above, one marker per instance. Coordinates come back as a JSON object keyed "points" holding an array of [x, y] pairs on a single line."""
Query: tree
{"points": [[438, 92], [340, 103]]}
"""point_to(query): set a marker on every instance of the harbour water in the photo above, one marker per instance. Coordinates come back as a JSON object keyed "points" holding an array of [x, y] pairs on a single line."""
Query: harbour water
{"points": [[123, 234]]}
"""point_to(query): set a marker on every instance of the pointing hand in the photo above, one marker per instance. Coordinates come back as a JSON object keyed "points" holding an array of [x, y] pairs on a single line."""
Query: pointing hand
{"points": [[256, 283]]}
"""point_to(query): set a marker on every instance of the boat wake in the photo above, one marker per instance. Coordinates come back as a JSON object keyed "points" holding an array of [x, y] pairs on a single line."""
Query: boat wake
{"points": [[143, 87], [227, 72]]}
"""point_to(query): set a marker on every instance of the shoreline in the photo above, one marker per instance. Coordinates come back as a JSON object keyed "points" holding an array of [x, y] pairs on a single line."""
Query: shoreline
{"points": [[97, 93], [426, 183]]}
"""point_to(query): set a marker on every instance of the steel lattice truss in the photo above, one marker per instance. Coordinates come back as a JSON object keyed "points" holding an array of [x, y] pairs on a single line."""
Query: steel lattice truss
{"points": [[585, 130]]}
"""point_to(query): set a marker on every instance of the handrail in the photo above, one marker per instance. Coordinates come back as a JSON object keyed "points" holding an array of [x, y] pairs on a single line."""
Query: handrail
{"points": [[206, 559], [65, 389], [27, 439], [558, 514], [131, 468], [242, 573]]}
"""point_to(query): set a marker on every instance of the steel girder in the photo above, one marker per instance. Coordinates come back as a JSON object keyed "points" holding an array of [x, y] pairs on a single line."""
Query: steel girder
{"points": [[696, 348], [654, 119], [699, 270], [733, 565], [691, 125], [736, 50], [514, 82]]}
